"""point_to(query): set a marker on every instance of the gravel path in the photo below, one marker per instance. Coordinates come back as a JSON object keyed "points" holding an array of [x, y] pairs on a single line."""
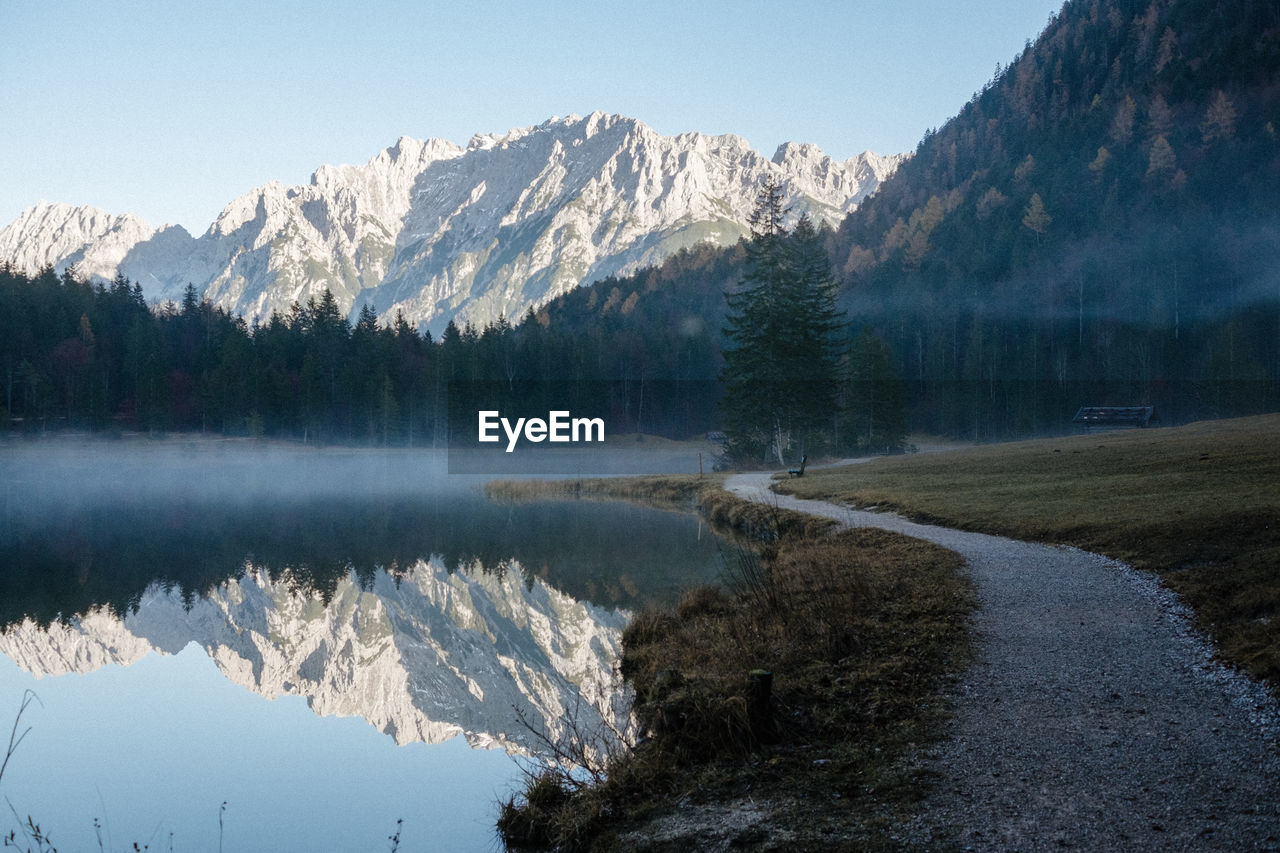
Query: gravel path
{"points": [[1093, 717]]}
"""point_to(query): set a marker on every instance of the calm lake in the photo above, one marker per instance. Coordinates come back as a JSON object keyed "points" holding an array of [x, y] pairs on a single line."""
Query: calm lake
{"points": [[243, 647]]}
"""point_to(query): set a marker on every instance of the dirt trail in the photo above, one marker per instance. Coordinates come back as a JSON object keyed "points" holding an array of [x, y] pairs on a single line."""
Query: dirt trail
{"points": [[1093, 716]]}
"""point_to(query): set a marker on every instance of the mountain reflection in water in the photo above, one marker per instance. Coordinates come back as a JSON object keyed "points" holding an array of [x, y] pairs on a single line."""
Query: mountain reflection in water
{"points": [[58, 563], [366, 588], [427, 614], [424, 655]]}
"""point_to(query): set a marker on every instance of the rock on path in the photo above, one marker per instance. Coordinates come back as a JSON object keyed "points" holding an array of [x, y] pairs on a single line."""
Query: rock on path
{"points": [[1093, 717]]}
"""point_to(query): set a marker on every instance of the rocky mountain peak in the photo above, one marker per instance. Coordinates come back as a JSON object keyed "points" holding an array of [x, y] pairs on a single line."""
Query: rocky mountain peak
{"points": [[443, 232], [62, 235]]}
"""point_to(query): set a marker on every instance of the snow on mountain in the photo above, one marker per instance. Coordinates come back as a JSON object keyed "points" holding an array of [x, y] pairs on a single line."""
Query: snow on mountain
{"points": [[61, 235], [442, 232], [436, 655]]}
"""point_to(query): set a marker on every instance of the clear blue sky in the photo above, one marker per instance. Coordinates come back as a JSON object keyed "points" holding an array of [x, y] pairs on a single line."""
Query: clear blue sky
{"points": [[171, 109]]}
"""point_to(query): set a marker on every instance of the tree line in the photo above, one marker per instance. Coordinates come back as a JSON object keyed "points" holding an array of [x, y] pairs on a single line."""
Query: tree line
{"points": [[83, 355], [1095, 226]]}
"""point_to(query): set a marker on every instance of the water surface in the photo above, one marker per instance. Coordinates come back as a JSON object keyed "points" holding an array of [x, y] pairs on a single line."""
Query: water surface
{"points": [[325, 641]]}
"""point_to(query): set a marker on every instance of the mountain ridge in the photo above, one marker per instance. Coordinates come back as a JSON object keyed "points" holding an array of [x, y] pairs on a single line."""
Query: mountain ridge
{"points": [[440, 231]]}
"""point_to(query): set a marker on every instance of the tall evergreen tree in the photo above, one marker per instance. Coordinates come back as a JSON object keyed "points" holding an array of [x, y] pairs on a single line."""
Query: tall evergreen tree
{"points": [[781, 329], [814, 339]]}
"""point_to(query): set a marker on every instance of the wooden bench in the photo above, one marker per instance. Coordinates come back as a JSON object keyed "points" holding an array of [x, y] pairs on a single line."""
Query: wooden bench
{"points": [[1114, 417], [798, 472]]}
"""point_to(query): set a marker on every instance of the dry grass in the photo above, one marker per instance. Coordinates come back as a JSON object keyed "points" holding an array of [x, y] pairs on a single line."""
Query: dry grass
{"points": [[859, 630], [665, 489], [758, 521], [1198, 504], [722, 510]]}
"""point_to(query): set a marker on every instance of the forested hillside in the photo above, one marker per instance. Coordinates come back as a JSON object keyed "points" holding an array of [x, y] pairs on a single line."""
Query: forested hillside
{"points": [[1098, 225]]}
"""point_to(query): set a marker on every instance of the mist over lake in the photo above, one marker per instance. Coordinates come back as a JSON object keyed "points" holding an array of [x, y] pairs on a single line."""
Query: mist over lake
{"points": [[276, 626]]}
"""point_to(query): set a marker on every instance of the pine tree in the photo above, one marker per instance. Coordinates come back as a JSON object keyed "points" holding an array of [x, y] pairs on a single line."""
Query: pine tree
{"points": [[817, 325], [782, 322]]}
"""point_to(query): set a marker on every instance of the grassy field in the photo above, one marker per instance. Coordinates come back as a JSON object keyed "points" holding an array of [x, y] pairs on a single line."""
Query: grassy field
{"points": [[859, 630], [1198, 504]]}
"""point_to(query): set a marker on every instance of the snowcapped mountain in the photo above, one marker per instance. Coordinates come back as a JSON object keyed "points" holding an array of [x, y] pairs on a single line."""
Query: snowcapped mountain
{"points": [[440, 232], [61, 235], [436, 655]]}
